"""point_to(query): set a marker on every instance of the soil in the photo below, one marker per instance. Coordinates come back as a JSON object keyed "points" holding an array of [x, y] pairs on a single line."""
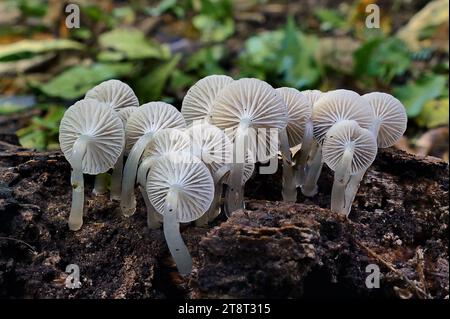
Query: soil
{"points": [[271, 249]]}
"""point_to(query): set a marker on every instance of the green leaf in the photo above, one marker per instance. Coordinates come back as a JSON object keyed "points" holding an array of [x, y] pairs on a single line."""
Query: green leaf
{"points": [[434, 113], [131, 44], [414, 95], [383, 58], [33, 139], [212, 29], [76, 81], [27, 48], [330, 19], [150, 87]]}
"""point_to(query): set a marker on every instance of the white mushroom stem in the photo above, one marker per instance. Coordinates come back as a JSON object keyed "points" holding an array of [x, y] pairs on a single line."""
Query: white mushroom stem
{"points": [[301, 157], [309, 187], [116, 178], [127, 198], [214, 209], [77, 182], [341, 178], [100, 184], [355, 180], [171, 228], [289, 190], [235, 191], [153, 222]]}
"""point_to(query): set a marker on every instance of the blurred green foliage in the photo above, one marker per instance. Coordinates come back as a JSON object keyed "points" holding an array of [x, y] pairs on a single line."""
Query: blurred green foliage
{"points": [[111, 44]]}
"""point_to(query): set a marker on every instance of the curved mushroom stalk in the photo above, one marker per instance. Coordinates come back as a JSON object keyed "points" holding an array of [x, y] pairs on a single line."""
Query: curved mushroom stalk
{"points": [[235, 191], [171, 228], [153, 221], [116, 178], [77, 182], [309, 187], [128, 199], [301, 157], [289, 190], [214, 209], [101, 184], [341, 179]]}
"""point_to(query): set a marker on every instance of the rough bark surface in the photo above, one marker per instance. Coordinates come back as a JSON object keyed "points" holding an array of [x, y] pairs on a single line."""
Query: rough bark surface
{"points": [[272, 249]]}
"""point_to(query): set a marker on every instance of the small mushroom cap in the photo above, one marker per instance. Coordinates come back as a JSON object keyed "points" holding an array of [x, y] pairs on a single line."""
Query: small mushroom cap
{"points": [[189, 176], [299, 112], [124, 113], [114, 92], [101, 125], [198, 102], [312, 96], [390, 115], [150, 118], [253, 102], [212, 144], [167, 141], [349, 134], [338, 105]]}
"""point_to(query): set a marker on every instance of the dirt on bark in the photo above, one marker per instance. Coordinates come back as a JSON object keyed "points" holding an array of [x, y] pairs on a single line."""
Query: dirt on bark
{"points": [[399, 222]]}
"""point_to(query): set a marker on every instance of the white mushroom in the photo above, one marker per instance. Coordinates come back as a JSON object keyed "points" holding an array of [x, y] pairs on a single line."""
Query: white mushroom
{"points": [[240, 108], [114, 92], [330, 108], [181, 188], [164, 142], [91, 136], [309, 145], [119, 96], [389, 125], [141, 126], [116, 178], [198, 101], [299, 114], [348, 149], [214, 148]]}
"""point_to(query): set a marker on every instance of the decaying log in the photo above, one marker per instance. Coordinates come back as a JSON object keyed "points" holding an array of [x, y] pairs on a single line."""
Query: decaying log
{"points": [[399, 222]]}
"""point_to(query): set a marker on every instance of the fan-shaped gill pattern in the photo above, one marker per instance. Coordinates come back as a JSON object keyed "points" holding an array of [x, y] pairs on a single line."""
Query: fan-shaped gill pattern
{"points": [[338, 105], [198, 101], [349, 134], [114, 92], [299, 112], [190, 177], [312, 96], [150, 118], [103, 128], [124, 113], [249, 100], [391, 115], [211, 145], [167, 141]]}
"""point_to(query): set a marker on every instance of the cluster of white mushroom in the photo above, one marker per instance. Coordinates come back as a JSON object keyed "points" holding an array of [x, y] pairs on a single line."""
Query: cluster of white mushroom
{"points": [[181, 161]]}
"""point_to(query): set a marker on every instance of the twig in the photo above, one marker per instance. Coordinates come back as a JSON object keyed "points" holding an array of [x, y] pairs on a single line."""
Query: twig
{"points": [[420, 292], [20, 241], [420, 267]]}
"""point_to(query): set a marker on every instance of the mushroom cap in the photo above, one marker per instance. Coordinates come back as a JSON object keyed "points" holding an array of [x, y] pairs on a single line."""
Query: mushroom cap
{"points": [[391, 116], [349, 134], [124, 113], [211, 145], [338, 105], [299, 112], [150, 118], [114, 92], [103, 128], [198, 101], [312, 96], [252, 102], [189, 176], [249, 100], [166, 141]]}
